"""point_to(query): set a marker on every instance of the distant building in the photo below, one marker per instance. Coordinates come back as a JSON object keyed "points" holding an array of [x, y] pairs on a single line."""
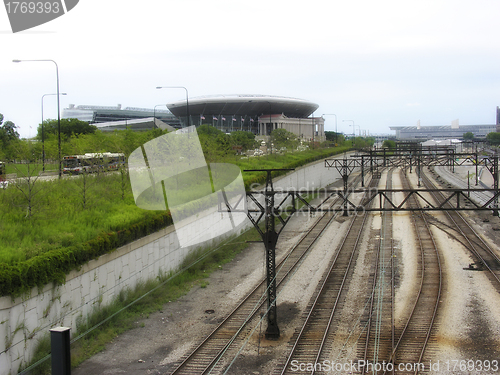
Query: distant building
{"points": [[443, 132], [310, 129], [498, 120], [94, 114]]}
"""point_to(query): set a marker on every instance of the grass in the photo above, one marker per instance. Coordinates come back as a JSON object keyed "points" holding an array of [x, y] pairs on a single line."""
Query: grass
{"points": [[22, 169], [60, 217], [288, 160]]}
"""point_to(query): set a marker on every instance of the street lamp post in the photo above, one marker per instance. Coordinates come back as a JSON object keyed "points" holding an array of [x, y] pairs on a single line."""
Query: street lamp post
{"points": [[336, 134], [43, 136], [154, 114], [353, 134], [354, 131], [58, 109], [187, 99], [313, 129], [271, 125]]}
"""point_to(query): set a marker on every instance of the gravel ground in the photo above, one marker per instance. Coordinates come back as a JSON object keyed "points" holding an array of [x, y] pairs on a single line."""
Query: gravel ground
{"points": [[165, 336], [467, 326]]}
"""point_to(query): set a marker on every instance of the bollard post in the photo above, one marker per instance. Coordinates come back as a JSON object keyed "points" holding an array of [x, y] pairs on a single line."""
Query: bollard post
{"points": [[60, 351]]}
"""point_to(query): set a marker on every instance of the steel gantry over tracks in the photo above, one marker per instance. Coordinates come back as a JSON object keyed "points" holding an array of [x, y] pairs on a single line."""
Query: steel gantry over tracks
{"points": [[429, 156], [280, 205], [419, 157]]}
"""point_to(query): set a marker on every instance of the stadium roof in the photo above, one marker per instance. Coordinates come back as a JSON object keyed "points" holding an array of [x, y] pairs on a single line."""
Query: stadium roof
{"points": [[244, 105]]}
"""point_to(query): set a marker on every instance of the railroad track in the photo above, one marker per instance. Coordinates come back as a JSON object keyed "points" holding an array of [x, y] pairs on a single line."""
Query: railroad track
{"points": [[412, 338], [378, 337], [308, 343], [210, 356], [480, 197], [485, 257]]}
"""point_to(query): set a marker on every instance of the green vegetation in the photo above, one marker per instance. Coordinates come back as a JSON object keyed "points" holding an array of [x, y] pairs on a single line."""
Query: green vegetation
{"points": [[288, 160], [50, 227], [22, 169], [69, 127], [389, 143], [283, 139], [335, 138], [58, 219], [469, 136], [493, 138], [363, 142], [8, 137]]}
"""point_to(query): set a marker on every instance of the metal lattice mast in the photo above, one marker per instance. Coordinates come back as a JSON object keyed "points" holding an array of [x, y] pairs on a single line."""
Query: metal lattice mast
{"points": [[270, 237]]}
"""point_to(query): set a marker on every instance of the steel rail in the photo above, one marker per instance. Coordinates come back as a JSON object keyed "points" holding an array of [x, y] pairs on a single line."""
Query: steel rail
{"points": [[327, 292], [477, 245], [425, 293], [481, 196], [316, 302], [378, 282]]}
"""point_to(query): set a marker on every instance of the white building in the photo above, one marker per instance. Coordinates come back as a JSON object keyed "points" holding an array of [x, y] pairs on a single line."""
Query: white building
{"points": [[309, 129]]}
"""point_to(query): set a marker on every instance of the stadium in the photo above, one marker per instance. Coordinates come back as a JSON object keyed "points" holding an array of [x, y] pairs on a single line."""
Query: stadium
{"points": [[259, 114]]}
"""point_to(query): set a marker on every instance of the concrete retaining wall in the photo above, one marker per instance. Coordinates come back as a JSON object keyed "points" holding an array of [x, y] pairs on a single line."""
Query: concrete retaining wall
{"points": [[24, 320]]}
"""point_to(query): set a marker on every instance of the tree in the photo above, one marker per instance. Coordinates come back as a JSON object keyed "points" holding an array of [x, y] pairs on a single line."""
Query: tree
{"points": [[370, 141], [88, 176], [208, 130], [27, 178], [223, 144], [493, 138], [389, 143], [469, 136], [359, 142], [8, 132], [283, 138], [69, 126], [338, 138], [245, 140], [215, 143]]}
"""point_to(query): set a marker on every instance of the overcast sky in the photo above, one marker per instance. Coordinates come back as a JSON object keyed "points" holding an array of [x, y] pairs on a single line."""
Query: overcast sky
{"points": [[378, 63]]}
